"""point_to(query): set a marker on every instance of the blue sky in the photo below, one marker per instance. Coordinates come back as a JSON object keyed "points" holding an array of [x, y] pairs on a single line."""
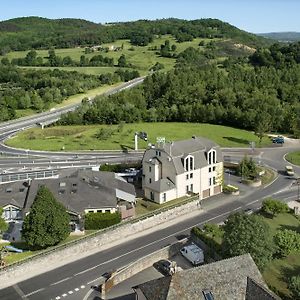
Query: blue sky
{"points": [[251, 15]]}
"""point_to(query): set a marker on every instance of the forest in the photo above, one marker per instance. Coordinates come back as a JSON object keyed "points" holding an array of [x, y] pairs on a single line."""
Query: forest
{"points": [[244, 93], [41, 33]]}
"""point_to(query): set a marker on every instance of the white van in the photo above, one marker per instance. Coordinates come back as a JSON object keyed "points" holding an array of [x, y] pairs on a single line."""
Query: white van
{"points": [[193, 253]]}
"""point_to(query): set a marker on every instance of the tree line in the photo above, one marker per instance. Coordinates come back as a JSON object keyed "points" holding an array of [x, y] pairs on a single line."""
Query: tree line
{"points": [[236, 94]]}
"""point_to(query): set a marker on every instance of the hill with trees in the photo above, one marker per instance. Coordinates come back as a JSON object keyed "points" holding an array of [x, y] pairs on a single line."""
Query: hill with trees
{"points": [[288, 36], [41, 33]]}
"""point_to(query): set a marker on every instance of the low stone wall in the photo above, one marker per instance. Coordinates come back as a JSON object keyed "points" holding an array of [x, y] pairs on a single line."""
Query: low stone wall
{"points": [[141, 264], [41, 264]]}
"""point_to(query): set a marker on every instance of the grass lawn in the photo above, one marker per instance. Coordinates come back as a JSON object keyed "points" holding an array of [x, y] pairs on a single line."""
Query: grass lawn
{"points": [[283, 221], [14, 257], [146, 206], [83, 137], [294, 158], [279, 270], [142, 58]]}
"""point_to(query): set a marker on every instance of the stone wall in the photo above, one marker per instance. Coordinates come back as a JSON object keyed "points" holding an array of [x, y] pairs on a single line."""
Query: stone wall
{"points": [[141, 264], [41, 264]]}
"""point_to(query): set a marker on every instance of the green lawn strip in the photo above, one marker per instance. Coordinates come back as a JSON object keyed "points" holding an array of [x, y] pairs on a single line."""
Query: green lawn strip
{"points": [[268, 177], [293, 157], [283, 221], [15, 257], [145, 206], [90, 93], [83, 137], [279, 270]]}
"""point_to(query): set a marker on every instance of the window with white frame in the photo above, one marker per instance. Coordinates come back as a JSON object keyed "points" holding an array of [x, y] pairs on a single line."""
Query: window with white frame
{"points": [[189, 163], [212, 157]]}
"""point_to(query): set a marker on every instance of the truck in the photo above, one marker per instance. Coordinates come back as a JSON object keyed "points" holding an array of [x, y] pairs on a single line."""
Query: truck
{"points": [[193, 254]]}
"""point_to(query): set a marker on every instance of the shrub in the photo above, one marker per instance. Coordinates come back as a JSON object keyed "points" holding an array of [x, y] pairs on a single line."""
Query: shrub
{"points": [[96, 221], [287, 241], [294, 286], [273, 207]]}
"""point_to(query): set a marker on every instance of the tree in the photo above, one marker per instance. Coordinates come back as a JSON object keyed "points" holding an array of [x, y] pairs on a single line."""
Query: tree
{"points": [[248, 234], [47, 223], [274, 207], [3, 224], [122, 61], [247, 168], [294, 286]]}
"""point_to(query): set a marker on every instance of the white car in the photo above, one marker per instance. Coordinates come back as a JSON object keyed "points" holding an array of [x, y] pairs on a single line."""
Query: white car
{"points": [[289, 171]]}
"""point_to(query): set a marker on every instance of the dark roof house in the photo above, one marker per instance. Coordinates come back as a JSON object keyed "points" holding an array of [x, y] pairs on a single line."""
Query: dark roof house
{"points": [[236, 278]]}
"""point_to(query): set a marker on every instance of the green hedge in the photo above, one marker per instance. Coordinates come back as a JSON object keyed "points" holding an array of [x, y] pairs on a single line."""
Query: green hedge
{"points": [[96, 221], [210, 242]]}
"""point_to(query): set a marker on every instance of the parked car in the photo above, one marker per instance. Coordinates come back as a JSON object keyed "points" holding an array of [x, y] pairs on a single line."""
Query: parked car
{"points": [[248, 211], [165, 266], [278, 140], [289, 171], [193, 253]]}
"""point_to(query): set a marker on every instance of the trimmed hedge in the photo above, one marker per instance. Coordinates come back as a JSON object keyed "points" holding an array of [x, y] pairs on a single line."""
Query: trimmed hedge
{"points": [[96, 221]]}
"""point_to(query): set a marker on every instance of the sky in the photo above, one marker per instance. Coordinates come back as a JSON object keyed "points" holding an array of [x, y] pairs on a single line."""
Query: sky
{"points": [[257, 16]]}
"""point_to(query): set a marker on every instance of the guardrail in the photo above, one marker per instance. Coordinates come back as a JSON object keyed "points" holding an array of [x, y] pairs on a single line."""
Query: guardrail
{"points": [[94, 234]]}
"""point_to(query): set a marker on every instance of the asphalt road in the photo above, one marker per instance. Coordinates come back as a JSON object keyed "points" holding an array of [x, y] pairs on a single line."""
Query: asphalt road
{"points": [[72, 281], [83, 274]]}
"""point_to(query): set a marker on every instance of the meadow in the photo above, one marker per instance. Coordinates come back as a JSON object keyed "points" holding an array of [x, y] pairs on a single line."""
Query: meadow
{"points": [[118, 137], [141, 58]]}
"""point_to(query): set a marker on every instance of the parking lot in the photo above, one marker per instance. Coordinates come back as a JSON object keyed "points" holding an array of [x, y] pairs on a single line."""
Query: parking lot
{"points": [[125, 288]]}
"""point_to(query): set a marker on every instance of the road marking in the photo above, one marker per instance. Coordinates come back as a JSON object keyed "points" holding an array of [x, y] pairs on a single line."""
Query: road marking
{"points": [[34, 292], [57, 298], [82, 287], [77, 289], [19, 291], [64, 295], [57, 282], [70, 292]]}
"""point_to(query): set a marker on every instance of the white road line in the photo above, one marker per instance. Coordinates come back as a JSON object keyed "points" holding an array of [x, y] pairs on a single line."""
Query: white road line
{"points": [[77, 289], [64, 295], [34, 292], [57, 298], [82, 287], [57, 282], [70, 292]]}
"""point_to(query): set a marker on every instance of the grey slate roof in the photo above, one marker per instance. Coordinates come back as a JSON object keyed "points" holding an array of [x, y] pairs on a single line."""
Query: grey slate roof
{"points": [[83, 189], [162, 185], [13, 193], [226, 279]]}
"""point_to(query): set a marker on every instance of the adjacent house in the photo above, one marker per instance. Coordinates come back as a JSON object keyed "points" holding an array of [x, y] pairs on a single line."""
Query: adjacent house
{"points": [[174, 169], [234, 278], [81, 191]]}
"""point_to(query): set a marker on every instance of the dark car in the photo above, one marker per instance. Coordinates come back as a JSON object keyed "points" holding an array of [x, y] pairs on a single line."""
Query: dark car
{"points": [[278, 140], [164, 266]]}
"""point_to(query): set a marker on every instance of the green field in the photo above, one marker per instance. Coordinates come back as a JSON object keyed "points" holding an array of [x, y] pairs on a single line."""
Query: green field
{"points": [[72, 138], [140, 57], [279, 270], [294, 158]]}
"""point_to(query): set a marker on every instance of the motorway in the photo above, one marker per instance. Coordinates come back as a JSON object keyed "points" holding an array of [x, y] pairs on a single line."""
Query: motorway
{"points": [[74, 280]]}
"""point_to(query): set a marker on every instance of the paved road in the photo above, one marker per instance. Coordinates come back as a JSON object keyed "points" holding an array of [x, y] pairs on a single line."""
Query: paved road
{"points": [[79, 276]]}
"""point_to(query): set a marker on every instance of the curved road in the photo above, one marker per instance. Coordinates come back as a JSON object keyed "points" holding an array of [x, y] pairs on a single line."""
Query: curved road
{"points": [[73, 280]]}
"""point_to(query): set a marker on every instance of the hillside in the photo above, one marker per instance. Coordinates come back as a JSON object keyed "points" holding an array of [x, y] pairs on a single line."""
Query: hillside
{"points": [[41, 33], [282, 36]]}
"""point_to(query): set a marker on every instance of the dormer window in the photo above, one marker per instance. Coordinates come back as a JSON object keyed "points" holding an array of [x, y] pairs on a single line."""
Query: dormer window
{"points": [[212, 157], [189, 163]]}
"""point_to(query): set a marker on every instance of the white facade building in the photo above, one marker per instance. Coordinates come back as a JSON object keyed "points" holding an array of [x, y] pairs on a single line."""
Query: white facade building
{"points": [[173, 170]]}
